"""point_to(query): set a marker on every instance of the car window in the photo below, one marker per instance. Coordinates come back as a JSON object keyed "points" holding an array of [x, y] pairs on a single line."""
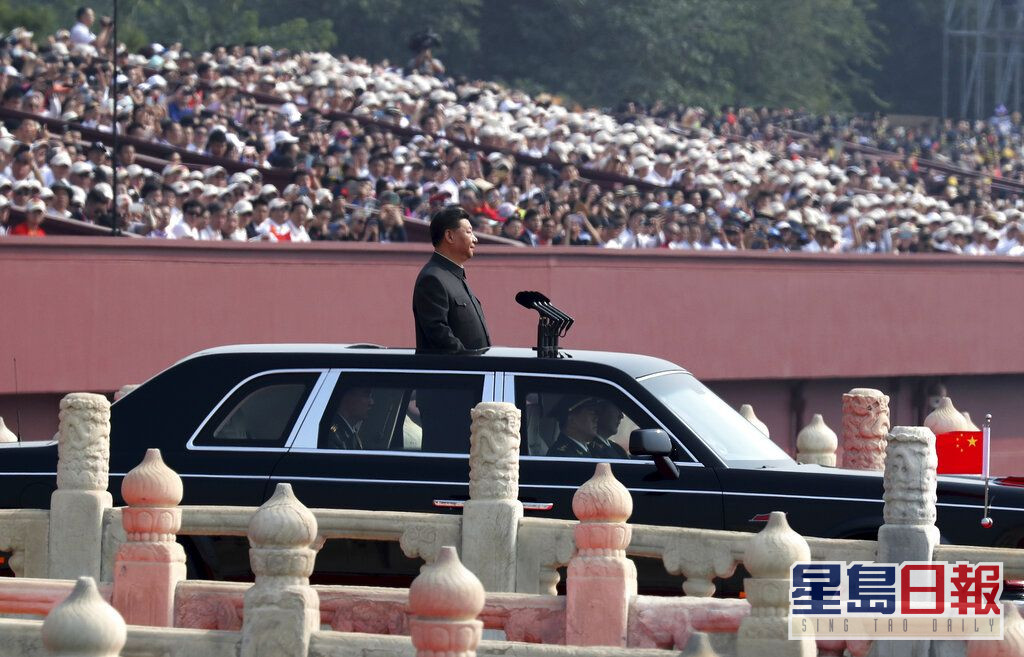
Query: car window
{"points": [[577, 418], [405, 412], [261, 412]]}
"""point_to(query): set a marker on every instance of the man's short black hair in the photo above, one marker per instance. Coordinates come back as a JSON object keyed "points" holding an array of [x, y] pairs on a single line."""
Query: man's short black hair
{"points": [[447, 218], [81, 11], [190, 205]]}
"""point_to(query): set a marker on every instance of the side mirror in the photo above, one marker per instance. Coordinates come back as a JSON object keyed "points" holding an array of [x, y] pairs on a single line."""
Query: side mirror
{"points": [[655, 443]]}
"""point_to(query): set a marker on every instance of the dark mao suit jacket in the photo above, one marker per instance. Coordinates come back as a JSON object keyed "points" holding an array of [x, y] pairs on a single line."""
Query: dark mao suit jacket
{"points": [[448, 315]]}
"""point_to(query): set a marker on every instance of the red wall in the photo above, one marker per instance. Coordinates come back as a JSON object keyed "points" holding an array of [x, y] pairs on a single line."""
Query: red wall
{"points": [[94, 313]]}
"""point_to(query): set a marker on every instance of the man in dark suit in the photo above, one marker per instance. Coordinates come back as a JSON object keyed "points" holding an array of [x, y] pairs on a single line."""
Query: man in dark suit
{"points": [[577, 418], [449, 319], [448, 316]]}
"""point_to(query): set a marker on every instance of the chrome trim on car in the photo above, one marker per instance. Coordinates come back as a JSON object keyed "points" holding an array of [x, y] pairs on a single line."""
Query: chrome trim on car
{"points": [[309, 427], [28, 444], [379, 452], [801, 497], [190, 445], [594, 459], [654, 375]]}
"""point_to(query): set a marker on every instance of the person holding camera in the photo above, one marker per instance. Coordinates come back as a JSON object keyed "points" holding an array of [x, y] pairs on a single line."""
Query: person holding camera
{"points": [[423, 62], [81, 32]]}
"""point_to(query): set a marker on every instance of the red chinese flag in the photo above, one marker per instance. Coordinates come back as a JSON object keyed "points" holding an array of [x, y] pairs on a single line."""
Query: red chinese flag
{"points": [[960, 452]]}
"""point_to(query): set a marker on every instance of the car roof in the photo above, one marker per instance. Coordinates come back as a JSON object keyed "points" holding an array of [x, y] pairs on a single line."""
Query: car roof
{"points": [[634, 365]]}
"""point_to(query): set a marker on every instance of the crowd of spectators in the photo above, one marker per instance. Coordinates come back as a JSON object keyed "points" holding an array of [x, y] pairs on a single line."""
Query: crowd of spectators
{"points": [[368, 146]]}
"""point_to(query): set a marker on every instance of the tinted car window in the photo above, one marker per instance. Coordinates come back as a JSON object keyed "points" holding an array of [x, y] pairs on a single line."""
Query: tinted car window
{"points": [[400, 412], [558, 408], [260, 412]]}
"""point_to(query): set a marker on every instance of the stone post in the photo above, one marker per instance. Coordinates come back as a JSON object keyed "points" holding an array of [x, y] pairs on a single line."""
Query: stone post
{"points": [[699, 645], [150, 565], [946, 418], [769, 557], [445, 600], [747, 411], [281, 609], [865, 425], [816, 443], [909, 532], [6, 435], [124, 390], [84, 625], [77, 506], [601, 580], [490, 519], [1012, 644]]}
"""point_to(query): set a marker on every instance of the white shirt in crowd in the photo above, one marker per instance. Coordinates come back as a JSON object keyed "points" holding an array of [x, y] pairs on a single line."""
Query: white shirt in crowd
{"points": [[209, 235], [182, 231], [272, 230], [81, 33], [452, 188]]}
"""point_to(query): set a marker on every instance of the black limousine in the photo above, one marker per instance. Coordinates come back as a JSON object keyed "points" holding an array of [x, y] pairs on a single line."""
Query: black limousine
{"points": [[342, 424]]}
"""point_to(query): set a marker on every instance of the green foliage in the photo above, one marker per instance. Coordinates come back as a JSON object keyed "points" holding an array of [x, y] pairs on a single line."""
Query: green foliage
{"points": [[41, 20]]}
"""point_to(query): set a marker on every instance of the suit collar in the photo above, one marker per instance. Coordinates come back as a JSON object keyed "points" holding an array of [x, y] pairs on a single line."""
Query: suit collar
{"points": [[449, 264]]}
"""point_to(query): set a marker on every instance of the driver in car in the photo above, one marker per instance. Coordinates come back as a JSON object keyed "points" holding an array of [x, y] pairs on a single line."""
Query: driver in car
{"points": [[577, 418], [354, 407], [608, 419]]}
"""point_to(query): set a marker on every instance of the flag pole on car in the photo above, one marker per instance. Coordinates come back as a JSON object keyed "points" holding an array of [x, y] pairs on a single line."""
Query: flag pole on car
{"points": [[986, 439]]}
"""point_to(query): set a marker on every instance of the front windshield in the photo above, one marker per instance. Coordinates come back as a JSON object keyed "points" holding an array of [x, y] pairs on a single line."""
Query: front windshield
{"points": [[712, 420]]}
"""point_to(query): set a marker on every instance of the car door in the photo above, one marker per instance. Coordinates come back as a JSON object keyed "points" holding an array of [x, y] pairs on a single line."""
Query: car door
{"points": [[390, 440], [231, 455], [549, 481]]}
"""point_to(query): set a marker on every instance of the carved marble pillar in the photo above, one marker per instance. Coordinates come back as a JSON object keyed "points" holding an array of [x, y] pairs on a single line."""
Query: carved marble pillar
{"points": [[77, 506], [84, 625], [6, 435], [816, 443], [747, 411], [601, 581], [865, 426], [445, 600], [490, 519], [946, 418], [769, 557], [151, 563], [909, 532], [281, 609], [124, 390], [1012, 644]]}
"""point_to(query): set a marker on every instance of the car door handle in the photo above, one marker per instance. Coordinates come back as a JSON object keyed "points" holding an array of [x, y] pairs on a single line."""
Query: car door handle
{"points": [[527, 506]]}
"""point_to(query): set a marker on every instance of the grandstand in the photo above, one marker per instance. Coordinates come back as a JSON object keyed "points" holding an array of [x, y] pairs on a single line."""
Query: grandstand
{"points": [[265, 145]]}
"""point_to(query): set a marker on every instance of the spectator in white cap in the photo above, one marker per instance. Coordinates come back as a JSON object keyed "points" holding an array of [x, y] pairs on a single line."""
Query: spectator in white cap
{"points": [[278, 228], [58, 170], [233, 228], [35, 212], [662, 174]]}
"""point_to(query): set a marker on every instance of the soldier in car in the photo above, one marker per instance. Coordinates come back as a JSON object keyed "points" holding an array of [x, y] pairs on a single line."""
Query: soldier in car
{"points": [[577, 419], [353, 408], [608, 419]]}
